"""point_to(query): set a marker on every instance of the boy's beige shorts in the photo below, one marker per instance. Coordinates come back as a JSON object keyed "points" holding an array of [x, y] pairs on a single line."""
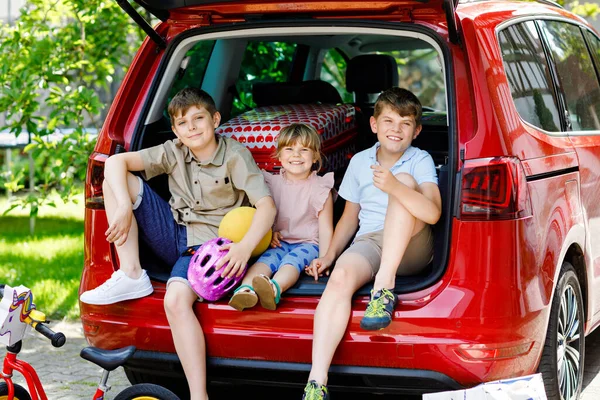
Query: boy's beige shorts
{"points": [[418, 254]]}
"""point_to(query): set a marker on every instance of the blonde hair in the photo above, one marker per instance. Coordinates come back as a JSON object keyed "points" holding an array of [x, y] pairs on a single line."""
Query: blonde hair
{"points": [[304, 134]]}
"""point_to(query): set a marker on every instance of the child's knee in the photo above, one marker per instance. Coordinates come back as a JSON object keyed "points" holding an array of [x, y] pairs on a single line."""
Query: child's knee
{"points": [[338, 281], [174, 303], [408, 180]]}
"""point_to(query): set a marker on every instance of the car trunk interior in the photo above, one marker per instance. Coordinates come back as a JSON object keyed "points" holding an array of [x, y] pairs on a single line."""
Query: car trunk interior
{"points": [[222, 66]]}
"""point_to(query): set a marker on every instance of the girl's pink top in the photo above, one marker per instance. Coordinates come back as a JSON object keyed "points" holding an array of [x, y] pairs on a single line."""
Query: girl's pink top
{"points": [[298, 205]]}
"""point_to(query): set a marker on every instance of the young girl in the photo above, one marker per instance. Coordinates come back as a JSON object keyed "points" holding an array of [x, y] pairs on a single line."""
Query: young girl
{"points": [[304, 223]]}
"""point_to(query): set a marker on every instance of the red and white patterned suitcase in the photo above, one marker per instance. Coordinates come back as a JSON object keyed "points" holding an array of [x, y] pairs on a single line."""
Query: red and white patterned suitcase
{"points": [[258, 130]]}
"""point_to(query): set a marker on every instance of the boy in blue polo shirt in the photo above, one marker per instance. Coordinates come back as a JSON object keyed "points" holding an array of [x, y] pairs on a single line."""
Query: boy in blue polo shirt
{"points": [[392, 198]]}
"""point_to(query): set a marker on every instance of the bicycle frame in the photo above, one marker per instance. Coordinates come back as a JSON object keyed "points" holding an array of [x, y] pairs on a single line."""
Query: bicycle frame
{"points": [[11, 364]]}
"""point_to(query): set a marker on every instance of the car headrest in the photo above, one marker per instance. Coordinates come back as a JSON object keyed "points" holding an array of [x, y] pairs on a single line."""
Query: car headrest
{"points": [[371, 73], [278, 93]]}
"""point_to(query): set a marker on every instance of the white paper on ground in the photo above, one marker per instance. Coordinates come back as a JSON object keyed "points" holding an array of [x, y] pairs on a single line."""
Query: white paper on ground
{"points": [[529, 387]]}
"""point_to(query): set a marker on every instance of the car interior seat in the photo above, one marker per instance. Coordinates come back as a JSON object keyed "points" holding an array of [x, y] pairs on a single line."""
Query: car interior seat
{"points": [[366, 76], [306, 92]]}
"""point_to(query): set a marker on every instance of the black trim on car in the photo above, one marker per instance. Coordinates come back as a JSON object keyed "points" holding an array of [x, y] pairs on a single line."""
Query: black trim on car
{"points": [[286, 374], [551, 174]]}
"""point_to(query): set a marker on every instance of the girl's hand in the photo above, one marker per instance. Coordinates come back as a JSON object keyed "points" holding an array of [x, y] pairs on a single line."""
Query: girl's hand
{"points": [[237, 257], [383, 179], [275, 240], [118, 230], [318, 266]]}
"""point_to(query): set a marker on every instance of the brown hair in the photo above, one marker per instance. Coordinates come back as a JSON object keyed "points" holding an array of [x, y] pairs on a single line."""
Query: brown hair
{"points": [[402, 101], [189, 97], [306, 135]]}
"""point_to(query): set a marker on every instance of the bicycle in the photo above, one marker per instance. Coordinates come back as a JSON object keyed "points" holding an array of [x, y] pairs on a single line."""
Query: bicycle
{"points": [[20, 313]]}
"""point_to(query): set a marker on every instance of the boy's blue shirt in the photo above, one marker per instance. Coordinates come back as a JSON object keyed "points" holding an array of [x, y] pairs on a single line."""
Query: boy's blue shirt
{"points": [[357, 185]]}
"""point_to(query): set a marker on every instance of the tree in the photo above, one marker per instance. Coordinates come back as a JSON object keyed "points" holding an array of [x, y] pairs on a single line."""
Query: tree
{"points": [[56, 62]]}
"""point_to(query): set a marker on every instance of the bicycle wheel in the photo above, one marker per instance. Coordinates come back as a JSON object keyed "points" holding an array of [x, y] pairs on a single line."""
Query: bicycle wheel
{"points": [[146, 391], [20, 392]]}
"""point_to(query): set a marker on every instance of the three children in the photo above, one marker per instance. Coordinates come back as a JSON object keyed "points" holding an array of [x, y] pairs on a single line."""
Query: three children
{"points": [[391, 197]]}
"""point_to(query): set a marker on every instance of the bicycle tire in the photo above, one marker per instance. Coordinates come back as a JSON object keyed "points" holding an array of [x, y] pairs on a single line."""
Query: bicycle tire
{"points": [[20, 392], [146, 391]]}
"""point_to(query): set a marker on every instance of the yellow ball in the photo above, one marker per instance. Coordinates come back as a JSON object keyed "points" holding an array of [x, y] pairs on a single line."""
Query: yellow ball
{"points": [[236, 223]]}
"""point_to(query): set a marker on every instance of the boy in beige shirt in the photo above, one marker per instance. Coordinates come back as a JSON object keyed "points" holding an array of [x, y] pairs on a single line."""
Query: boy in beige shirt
{"points": [[208, 176]]}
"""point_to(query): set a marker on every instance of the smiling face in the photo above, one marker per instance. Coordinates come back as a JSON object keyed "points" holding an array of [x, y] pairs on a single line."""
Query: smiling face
{"points": [[395, 133], [196, 129], [297, 160]]}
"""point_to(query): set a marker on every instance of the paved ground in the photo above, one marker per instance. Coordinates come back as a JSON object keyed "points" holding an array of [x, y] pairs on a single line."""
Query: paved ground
{"points": [[65, 376]]}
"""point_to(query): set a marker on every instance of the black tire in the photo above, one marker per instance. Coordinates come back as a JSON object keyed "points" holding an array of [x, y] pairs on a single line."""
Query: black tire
{"points": [[20, 392], [562, 357], [176, 385], [146, 391]]}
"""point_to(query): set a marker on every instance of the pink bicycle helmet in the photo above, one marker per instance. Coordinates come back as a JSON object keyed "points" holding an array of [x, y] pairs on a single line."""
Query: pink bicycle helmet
{"points": [[206, 281]]}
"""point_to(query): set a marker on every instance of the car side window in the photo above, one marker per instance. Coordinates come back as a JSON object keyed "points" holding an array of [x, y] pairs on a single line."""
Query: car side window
{"points": [[594, 43], [576, 73], [333, 70], [193, 67], [529, 76], [262, 62]]}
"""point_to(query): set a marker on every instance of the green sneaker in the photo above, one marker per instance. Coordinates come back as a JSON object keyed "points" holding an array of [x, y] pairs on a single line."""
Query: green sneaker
{"points": [[314, 391], [380, 310]]}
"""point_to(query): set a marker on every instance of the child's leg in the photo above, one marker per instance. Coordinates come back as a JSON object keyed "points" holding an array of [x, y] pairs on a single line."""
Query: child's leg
{"points": [[187, 336], [351, 272], [245, 296], [286, 276], [288, 269], [129, 251], [400, 225]]}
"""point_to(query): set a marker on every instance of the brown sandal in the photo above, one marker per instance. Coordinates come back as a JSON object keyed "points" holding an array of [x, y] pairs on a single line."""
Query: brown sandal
{"points": [[243, 297], [269, 297]]}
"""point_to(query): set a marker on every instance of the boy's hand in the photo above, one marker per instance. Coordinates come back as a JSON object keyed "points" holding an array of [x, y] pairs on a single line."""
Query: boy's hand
{"points": [[383, 179], [275, 240], [237, 257], [119, 228], [318, 266]]}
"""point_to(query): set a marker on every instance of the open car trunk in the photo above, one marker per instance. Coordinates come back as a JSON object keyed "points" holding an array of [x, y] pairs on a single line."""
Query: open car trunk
{"points": [[222, 64]]}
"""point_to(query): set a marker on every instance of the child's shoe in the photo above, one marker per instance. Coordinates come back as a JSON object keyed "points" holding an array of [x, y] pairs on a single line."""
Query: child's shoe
{"points": [[243, 297], [314, 391], [119, 287], [268, 291], [380, 310]]}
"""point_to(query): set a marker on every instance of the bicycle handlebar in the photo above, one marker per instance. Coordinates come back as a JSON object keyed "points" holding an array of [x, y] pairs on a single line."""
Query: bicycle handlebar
{"points": [[57, 339]]}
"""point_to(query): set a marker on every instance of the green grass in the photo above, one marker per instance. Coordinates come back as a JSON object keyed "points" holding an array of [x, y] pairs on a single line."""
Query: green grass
{"points": [[50, 261]]}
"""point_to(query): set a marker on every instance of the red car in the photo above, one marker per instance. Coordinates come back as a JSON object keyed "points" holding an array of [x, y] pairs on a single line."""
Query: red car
{"points": [[512, 119]]}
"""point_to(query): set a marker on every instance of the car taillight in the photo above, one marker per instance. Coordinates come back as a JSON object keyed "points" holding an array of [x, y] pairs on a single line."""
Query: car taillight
{"points": [[494, 189], [93, 181]]}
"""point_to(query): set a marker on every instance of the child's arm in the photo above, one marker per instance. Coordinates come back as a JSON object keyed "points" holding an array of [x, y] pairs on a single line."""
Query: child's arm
{"points": [[115, 175], [239, 253], [326, 226], [344, 232], [425, 205]]}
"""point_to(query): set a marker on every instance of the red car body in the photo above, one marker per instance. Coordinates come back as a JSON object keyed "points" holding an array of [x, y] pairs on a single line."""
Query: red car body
{"points": [[485, 317]]}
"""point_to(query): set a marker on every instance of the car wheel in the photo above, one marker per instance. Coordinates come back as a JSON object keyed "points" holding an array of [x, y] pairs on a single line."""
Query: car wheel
{"points": [[146, 391], [20, 392], [562, 358], [176, 385]]}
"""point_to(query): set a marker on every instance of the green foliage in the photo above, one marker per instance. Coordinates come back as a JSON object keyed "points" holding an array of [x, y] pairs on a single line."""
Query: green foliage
{"points": [[55, 61], [49, 263], [262, 62], [583, 9]]}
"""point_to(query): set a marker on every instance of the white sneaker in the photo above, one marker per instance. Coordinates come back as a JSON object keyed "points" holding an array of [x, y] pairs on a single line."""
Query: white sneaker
{"points": [[118, 287]]}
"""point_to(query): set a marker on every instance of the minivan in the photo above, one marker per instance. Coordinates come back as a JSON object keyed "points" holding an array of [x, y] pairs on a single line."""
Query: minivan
{"points": [[511, 96]]}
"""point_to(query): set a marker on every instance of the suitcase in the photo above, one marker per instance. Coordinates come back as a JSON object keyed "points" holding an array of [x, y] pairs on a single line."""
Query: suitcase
{"points": [[258, 130]]}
